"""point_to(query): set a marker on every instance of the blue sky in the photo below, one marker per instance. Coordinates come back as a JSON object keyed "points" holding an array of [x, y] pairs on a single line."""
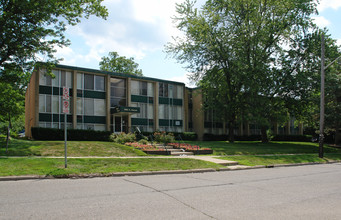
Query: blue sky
{"points": [[140, 29]]}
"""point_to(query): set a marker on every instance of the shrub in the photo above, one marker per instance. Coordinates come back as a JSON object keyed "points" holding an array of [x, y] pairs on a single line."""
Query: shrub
{"points": [[143, 141], [186, 136], [122, 137], [163, 137]]}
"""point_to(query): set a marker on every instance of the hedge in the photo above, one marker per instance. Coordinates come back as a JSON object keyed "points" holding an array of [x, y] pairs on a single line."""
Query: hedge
{"points": [[52, 134], [297, 138]]}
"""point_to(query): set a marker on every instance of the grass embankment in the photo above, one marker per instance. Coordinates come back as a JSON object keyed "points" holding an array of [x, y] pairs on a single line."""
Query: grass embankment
{"points": [[252, 153], [253, 160], [222, 148], [19, 147], [55, 167]]}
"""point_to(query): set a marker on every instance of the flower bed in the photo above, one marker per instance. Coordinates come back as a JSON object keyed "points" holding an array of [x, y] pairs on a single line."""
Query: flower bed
{"points": [[144, 147], [192, 148], [154, 149]]}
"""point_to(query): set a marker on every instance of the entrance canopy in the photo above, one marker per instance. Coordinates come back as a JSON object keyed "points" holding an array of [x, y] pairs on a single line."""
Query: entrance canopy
{"points": [[125, 110]]}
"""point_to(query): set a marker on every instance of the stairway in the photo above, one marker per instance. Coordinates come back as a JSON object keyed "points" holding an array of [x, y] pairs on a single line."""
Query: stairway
{"points": [[175, 152]]}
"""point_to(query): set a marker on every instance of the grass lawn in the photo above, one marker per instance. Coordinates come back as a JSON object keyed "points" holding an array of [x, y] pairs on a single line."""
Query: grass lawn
{"points": [[55, 167], [19, 147], [253, 160], [257, 148]]}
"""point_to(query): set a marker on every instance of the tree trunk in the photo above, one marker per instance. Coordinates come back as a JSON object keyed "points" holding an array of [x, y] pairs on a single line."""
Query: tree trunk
{"points": [[337, 135], [265, 138], [231, 132], [8, 132]]}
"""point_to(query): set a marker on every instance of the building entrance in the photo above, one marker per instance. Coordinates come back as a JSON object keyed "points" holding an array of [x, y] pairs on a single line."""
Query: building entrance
{"points": [[120, 124]]}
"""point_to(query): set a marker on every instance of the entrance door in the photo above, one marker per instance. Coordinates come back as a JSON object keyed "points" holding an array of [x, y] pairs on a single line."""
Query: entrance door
{"points": [[119, 124]]}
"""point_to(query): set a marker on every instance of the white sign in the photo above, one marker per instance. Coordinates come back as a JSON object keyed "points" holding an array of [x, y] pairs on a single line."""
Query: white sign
{"points": [[66, 94], [66, 105]]}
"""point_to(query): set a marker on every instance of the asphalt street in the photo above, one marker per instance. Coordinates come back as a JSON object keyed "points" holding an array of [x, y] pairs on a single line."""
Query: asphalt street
{"points": [[301, 192]]}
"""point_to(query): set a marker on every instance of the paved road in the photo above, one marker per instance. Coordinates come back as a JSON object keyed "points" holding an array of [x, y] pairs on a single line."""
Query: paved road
{"points": [[304, 192]]}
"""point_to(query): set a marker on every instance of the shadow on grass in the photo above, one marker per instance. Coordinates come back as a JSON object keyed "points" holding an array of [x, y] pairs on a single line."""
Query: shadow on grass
{"points": [[20, 147]]}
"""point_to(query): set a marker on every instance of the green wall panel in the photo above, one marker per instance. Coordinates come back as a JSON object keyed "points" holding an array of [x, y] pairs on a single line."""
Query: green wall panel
{"points": [[177, 102], [163, 100], [139, 98], [95, 119], [93, 94], [45, 90], [45, 117], [139, 121]]}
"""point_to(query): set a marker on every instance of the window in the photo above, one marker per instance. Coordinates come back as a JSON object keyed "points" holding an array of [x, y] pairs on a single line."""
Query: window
{"points": [[117, 92], [44, 79], [163, 111], [55, 104], [179, 112], [55, 81], [88, 106], [150, 89], [135, 87], [143, 88], [48, 103], [80, 106], [100, 127], [99, 83], [80, 78], [150, 111], [163, 90], [88, 82], [179, 92], [99, 107], [42, 103], [65, 79], [170, 87]]}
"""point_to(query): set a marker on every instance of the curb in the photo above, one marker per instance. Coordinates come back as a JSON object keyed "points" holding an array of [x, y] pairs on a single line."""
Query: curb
{"points": [[164, 172]]}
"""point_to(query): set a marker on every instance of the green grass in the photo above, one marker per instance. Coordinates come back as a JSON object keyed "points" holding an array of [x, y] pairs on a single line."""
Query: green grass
{"points": [[253, 160], [19, 147], [258, 148], [55, 167]]}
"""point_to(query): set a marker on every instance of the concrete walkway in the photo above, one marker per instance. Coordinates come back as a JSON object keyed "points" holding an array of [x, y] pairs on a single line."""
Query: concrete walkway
{"points": [[213, 159]]}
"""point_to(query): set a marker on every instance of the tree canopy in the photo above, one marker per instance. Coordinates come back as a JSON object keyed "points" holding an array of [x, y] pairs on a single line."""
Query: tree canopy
{"points": [[120, 64], [241, 49], [30, 28]]}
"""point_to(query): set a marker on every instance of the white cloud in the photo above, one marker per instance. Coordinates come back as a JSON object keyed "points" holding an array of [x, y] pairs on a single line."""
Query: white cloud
{"points": [[158, 13], [324, 4], [321, 21], [338, 42], [184, 78]]}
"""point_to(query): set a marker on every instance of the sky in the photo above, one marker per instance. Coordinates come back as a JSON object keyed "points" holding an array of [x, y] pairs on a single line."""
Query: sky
{"points": [[141, 29]]}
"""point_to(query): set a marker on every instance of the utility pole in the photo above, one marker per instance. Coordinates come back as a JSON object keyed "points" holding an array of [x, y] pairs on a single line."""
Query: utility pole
{"points": [[321, 139]]}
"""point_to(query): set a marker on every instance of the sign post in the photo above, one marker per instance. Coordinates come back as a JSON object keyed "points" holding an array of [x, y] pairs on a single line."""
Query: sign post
{"points": [[66, 98]]}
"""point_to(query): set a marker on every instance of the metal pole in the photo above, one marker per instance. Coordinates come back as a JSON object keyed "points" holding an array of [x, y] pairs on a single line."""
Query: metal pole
{"points": [[65, 135], [321, 139]]}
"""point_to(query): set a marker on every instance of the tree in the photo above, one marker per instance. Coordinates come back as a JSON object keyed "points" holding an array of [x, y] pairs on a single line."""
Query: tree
{"points": [[12, 97], [34, 27], [233, 45], [120, 64], [31, 29]]}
